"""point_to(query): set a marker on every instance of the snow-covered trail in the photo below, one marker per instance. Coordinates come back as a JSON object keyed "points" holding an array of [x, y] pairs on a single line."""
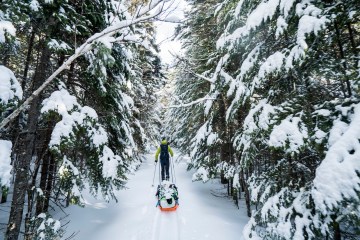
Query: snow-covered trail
{"points": [[135, 217]]}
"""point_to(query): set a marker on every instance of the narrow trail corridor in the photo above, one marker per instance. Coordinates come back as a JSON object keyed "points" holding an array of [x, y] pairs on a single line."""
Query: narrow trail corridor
{"points": [[200, 215]]}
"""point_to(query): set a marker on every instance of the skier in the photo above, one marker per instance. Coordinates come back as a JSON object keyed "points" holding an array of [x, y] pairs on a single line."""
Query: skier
{"points": [[164, 151]]}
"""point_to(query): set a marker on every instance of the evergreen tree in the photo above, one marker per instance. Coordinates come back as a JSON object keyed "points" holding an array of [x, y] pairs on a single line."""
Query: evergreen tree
{"points": [[78, 145], [279, 82]]}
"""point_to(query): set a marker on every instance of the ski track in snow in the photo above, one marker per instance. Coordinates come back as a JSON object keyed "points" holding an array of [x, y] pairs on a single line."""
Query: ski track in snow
{"points": [[200, 215]]}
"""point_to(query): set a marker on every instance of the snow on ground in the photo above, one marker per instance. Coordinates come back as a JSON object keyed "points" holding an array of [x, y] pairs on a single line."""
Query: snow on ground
{"points": [[200, 215]]}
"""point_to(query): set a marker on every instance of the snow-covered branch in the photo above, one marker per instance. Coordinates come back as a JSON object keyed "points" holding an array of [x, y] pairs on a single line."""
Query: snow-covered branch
{"points": [[188, 69], [191, 103], [143, 14]]}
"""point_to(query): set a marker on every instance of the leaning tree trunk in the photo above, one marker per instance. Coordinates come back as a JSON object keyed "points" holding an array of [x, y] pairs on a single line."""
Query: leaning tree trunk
{"points": [[25, 154]]}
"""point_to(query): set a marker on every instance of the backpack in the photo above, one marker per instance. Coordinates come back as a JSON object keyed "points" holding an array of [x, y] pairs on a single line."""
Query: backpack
{"points": [[164, 154]]}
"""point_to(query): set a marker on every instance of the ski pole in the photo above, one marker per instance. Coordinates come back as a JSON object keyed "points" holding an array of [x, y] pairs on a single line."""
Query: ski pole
{"points": [[154, 174], [173, 170], [159, 173]]}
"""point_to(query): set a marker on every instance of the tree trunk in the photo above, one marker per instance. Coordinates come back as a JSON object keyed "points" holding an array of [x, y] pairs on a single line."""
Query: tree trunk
{"points": [[235, 197], [224, 151], [45, 168], [342, 54], [4, 193], [352, 38], [43, 180], [223, 180], [28, 58], [228, 187], [246, 193], [50, 182], [337, 230], [25, 154]]}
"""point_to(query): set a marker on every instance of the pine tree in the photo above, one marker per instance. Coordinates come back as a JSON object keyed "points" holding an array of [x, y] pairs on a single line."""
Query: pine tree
{"points": [[77, 146], [282, 77], [280, 86]]}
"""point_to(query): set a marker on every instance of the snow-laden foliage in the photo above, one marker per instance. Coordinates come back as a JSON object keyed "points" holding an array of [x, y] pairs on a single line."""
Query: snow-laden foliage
{"points": [[311, 203], [310, 20], [6, 28], [10, 88], [80, 125], [93, 130], [337, 181], [64, 104], [45, 227], [290, 134], [5, 160], [285, 74], [204, 138]]}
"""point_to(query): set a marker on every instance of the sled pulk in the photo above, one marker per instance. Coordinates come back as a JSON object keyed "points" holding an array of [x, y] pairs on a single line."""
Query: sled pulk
{"points": [[167, 195]]}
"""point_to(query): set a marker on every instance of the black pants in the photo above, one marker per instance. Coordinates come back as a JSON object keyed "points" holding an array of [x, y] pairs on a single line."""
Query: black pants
{"points": [[165, 166]]}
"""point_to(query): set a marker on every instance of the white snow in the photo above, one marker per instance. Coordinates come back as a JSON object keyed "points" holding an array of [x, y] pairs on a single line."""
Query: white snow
{"points": [[65, 166], [281, 26], [73, 115], [60, 101], [249, 61], [264, 11], [9, 86], [110, 162], [201, 174], [258, 118], [200, 215], [238, 7], [212, 138], [285, 6], [173, 18], [309, 24], [58, 45], [6, 27], [323, 112], [336, 178], [236, 181], [290, 131], [352, 14], [5, 160], [272, 64], [47, 224], [296, 53], [34, 5]]}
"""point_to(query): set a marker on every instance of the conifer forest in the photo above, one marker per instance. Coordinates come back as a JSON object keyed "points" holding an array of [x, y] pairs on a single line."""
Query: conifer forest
{"points": [[264, 98]]}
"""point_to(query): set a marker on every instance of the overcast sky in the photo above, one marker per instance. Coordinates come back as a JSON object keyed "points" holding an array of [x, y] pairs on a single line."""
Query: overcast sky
{"points": [[165, 31]]}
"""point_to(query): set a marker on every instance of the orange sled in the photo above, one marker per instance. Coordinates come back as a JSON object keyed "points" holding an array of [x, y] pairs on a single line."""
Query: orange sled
{"points": [[169, 209]]}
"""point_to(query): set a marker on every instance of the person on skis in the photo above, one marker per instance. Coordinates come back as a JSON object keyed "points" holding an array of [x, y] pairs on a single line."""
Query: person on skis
{"points": [[164, 151]]}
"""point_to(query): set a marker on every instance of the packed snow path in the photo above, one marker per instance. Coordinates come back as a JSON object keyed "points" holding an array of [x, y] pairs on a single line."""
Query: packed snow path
{"points": [[200, 215]]}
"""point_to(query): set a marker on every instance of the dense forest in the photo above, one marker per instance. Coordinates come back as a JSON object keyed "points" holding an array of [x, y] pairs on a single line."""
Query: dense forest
{"points": [[266, 98], [89, 125]]}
